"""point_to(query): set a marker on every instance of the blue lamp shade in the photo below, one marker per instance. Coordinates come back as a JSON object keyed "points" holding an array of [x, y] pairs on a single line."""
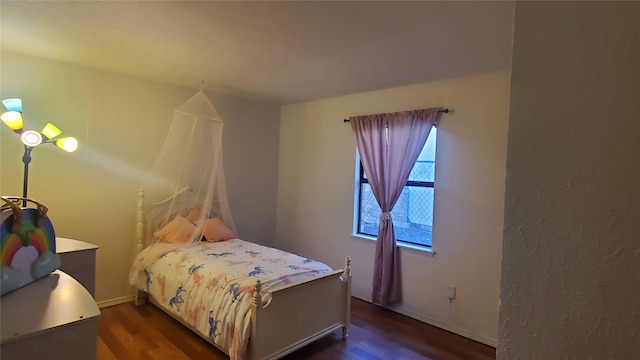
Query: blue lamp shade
{"points": [[13, 104]]}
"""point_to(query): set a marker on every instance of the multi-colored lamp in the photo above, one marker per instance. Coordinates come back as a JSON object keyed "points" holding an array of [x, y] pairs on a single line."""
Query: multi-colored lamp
{"points": [[31, 138]]}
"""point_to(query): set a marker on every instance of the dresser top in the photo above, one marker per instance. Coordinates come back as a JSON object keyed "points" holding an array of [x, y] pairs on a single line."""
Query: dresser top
{"points": [[64, 245], [55, 300]]}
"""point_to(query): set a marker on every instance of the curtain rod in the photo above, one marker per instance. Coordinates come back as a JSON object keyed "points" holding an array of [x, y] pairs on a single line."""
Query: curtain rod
{"points": [[446, 111]]}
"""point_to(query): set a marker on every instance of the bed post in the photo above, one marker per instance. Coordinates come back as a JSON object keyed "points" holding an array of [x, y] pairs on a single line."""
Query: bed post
{"points": [[257, 296], [140, 222], [347, 279], [140, 296]]}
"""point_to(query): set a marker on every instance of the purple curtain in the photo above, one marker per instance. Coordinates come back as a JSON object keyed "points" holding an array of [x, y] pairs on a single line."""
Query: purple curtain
{"points": [[389, 145]]}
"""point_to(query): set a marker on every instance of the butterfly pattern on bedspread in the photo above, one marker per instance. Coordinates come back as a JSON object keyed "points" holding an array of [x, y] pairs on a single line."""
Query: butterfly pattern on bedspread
{"points": [[210, 286]]}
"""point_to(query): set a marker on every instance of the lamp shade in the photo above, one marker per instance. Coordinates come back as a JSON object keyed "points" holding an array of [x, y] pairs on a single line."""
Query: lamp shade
{"points": [[13, 120], [69, 144], [13, 117], [51, 131], [13, 104]]}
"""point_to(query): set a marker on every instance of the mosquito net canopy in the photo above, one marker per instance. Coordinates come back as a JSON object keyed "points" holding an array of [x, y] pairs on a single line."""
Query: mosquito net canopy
{"points": [[187, 177]]}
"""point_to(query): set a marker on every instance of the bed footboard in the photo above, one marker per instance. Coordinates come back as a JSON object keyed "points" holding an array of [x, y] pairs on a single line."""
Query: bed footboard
{"points": [[295, 316], [300, 314]]}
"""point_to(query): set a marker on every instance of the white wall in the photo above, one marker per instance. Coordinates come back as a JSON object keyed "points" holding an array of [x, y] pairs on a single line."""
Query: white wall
{"points": [[316, 189], [120, 123], [571, 255]]}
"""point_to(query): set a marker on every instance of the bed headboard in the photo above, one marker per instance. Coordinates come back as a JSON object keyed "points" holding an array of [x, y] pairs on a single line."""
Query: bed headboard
{"points": [[156, 215]]}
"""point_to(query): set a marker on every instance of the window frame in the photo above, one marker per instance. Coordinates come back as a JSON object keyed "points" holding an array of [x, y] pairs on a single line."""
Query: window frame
{"points": [[361, 179]]}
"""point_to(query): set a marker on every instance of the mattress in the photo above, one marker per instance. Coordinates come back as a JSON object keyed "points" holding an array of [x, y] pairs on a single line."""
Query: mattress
{"points": [[210, 286]]}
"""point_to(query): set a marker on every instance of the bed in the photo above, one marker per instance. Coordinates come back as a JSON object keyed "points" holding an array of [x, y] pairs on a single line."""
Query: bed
{"points": [[250, 301]]}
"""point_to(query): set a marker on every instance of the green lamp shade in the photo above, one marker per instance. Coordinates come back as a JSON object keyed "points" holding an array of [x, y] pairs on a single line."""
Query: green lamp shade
{"points": [[69, 144], [13, 104], [51, 131]]}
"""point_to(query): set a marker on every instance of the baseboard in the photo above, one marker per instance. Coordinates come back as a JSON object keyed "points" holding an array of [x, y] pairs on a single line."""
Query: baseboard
{"points": [[116, 301], [399, 309], [454, 329]]}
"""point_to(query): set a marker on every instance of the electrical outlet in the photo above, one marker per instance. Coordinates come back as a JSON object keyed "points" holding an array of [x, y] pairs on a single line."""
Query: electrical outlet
{"points": [[451, 292]]}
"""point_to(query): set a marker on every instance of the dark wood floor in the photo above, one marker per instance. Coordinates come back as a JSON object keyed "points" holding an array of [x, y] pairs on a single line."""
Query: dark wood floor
{"points": [[127, 331]]}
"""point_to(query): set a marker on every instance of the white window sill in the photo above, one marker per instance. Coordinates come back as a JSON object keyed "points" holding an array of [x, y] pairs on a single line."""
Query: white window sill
{"points": [[425, 249]]}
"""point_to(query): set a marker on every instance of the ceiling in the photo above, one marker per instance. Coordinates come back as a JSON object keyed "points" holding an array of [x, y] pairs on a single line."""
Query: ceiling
{"points": [[276, 52]]}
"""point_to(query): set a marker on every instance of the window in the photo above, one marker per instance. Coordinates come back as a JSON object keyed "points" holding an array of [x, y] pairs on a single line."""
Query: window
{"points": [[413, 213]]}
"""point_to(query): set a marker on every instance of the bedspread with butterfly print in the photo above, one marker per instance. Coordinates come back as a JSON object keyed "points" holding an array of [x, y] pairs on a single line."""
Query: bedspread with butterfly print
{"points": [[210, 285]]}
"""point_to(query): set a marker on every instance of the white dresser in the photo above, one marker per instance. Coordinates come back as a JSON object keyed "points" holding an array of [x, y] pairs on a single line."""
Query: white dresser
{"points": [[51, 318], [78, 259]]}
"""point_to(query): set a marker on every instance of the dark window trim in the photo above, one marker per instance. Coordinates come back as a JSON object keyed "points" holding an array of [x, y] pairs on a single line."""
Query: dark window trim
{"points": [[364, 180]]}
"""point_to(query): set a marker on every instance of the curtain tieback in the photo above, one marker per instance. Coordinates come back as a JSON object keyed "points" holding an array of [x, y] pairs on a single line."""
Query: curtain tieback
{"points": [[386, 215]]}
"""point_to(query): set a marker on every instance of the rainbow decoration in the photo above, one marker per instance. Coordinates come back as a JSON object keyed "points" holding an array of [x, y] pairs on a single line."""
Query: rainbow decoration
{"points": [[42, 238]]}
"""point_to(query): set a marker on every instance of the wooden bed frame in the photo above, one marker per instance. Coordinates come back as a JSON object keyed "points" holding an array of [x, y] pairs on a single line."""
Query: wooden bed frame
{"points": [[296, 315]]}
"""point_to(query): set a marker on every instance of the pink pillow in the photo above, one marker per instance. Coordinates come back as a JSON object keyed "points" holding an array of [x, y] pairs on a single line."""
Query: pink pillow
{"points": [[215, 230], [178, 231]]}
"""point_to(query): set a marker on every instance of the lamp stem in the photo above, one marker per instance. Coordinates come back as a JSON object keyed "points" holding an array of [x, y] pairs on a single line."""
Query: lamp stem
{"points": [[26, 159]]}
